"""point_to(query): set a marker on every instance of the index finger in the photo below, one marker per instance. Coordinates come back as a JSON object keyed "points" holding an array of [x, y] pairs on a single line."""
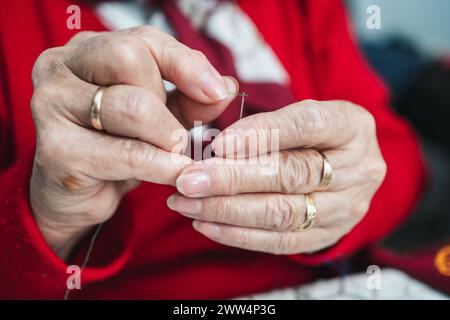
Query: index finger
{"points": [[188, 69], [303, 124]]}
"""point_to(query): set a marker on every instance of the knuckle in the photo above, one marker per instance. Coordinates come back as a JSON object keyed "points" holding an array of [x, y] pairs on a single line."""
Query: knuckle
{"points": [[144, 30], [177, 67], [229, 179], [382, 170], [126, 51], [80, 36], [43, 97], [45, 63], [44, 59], [313, 119], [376, 171], [135, 107], [221, 209], [351, 106], [379, 171], [296, 172], [137, 153], [365, 120], [39, 98], [196, 56], [308, 103], [290, 174], [312, 167], [369, 120], [282, 213], [187, 59]]}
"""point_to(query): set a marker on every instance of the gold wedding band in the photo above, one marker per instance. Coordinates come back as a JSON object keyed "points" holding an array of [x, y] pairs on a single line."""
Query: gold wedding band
{"points": [[311, 212], [327, 174], [95, 108]]}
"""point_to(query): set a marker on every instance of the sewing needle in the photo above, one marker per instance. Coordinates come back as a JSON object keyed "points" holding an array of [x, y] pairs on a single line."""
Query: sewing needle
{"points": [[243, 95]]}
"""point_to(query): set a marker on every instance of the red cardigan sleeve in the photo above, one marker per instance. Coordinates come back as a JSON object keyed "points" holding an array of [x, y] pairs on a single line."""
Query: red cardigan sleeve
{"points": [[28, 266], [341, 73]]}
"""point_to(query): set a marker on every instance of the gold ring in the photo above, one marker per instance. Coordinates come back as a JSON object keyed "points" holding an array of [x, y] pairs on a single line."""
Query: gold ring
{"points": [[311, 212], [95, 109], [327, 174]]}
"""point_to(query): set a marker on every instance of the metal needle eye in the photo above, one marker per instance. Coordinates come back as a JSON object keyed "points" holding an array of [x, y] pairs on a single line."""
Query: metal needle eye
{"points": [[238, 94]]}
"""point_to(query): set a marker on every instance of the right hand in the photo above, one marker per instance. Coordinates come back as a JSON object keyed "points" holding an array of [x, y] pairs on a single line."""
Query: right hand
{"points": [[79, 173]]}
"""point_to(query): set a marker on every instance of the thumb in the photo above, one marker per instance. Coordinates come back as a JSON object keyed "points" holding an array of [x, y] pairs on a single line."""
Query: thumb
{"points": [[187, 110]]}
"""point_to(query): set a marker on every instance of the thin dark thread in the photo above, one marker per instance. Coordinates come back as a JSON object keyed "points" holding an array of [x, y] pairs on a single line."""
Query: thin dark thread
{"points": [[88, 255]]}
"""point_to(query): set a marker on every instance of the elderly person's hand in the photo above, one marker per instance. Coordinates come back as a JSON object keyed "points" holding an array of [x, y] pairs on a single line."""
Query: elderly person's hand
{"points": [[80, 173], [239, 204]]}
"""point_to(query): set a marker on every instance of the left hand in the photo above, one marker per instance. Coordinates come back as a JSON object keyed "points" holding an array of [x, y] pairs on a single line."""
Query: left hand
{"points": [[236, 205]]}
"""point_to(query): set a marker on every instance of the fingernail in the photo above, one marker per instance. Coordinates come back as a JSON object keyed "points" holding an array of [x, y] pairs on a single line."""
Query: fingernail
{"points": [[213, 85], [184, 205], [231, 84], [193, 182], [170, 201], [208, 229], [227, 144]]}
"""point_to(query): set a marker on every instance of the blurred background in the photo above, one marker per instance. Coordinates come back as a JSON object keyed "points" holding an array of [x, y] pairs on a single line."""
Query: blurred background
{"points": [[411, 52]]}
